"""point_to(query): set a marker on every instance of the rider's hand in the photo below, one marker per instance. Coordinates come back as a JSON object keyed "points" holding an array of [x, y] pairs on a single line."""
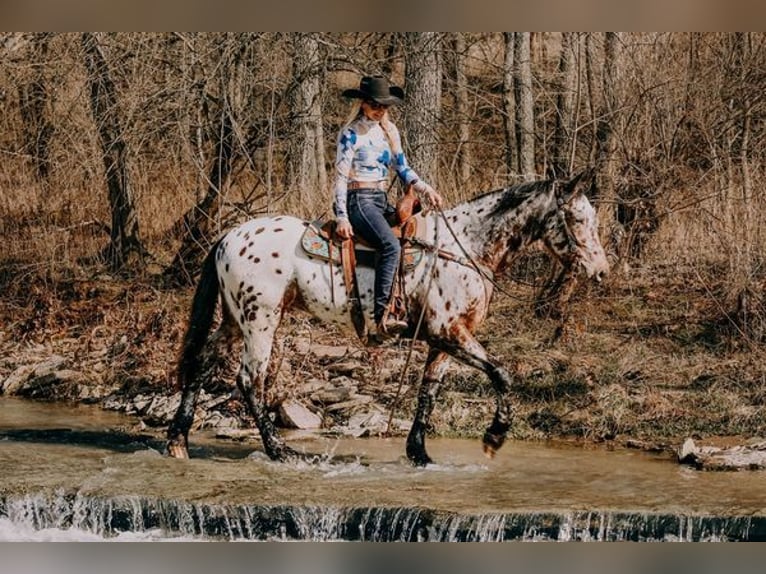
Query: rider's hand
{"points": [[429, 193], [343, 228]]}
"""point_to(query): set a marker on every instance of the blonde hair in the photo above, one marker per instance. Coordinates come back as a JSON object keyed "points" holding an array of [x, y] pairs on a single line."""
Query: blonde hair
{"points": [[356, 109], [385, 123]]}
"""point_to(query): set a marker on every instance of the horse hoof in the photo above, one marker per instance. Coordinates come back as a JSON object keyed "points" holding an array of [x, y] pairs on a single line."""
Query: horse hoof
{"points": [[291, 455], [284, 454], [489, 451], [492, 443], [177, 451], [420, 459]]}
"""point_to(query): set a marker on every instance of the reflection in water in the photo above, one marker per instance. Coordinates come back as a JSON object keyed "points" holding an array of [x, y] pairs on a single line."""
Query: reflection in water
{"points": [[102, 482]]}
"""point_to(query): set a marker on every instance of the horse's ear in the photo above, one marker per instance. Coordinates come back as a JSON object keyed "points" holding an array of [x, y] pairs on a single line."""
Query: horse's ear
{"points": [[583, 182]]}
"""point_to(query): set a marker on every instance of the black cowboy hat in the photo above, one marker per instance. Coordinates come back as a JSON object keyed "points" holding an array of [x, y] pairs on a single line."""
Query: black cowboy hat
{"points": [[377, 89]]}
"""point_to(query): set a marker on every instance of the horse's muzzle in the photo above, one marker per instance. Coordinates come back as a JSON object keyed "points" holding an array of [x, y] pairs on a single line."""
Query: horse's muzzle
{"points": [[595, 272]]}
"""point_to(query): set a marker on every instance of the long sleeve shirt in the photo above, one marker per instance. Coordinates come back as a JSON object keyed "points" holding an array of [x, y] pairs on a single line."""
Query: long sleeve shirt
{"points": [[365, 155]]}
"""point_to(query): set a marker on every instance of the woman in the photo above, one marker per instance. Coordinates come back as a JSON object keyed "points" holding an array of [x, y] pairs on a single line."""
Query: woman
{"points": [[367, 146]]}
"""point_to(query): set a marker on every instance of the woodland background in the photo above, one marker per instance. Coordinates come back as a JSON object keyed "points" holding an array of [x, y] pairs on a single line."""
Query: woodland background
{"points": [[125, 155], [141, 147]]}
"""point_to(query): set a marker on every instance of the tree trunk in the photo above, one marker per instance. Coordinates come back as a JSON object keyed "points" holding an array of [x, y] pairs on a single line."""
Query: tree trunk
{"points": [[742, 55], [423, 102], [461, 111], [388, 46], [194, 102], [125, 240], [608, 115], [606, 123], [563, 136], [593, 105], [605, 170], [308, 177], [509, 106], [525, 112]]}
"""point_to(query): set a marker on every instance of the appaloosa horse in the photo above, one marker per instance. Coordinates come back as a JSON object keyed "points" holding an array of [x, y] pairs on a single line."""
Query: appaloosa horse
{"points": [[259, 270]]}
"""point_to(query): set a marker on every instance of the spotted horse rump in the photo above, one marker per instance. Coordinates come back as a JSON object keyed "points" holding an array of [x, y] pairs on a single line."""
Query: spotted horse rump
{"points": [[259, 270]]}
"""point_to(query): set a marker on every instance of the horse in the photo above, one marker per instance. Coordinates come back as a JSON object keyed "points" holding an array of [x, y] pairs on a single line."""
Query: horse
{"points": [[259, 271]]}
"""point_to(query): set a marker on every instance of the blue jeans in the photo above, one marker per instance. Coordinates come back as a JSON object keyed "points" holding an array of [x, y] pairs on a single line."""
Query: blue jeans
{"points": [[367, 209]]}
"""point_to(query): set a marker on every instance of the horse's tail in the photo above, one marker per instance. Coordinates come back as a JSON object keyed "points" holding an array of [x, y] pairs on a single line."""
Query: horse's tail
{"points": [[200, 320]]}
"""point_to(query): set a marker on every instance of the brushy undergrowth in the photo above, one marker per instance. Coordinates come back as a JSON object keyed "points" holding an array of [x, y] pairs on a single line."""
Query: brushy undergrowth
{"points": [[644, 357]]}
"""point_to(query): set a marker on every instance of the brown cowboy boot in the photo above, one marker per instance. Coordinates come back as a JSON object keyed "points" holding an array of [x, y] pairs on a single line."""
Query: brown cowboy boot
{"points": [[391, 326], [393, 322]]}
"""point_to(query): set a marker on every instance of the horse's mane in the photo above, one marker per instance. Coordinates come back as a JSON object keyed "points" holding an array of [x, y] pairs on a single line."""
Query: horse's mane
{"points": [[515, 195]]}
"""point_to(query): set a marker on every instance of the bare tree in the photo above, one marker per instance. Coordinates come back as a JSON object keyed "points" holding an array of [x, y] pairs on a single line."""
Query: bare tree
{"points": [[593, 106], [606, 122], [423, 104], [525, 111], [385, 47], [742, 53], [675, 123], [461, 109], [125, 239], [307, 160], [199, 221], [509, 104], [563, 136], [34, 99], [607, 116]]}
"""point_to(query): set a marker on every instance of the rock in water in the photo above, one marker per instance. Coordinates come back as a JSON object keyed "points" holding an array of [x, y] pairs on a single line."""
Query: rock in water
{"points": [[295, 415]]}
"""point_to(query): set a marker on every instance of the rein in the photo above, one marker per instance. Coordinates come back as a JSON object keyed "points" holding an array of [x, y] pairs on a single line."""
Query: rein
{"points": [[483, 270], [419, 324], [466, 260], [449, 256], [469, 261], [574, 243]]}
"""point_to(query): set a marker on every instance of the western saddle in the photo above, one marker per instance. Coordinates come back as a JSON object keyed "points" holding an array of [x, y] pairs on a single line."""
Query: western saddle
{"points": [[405, 227]]}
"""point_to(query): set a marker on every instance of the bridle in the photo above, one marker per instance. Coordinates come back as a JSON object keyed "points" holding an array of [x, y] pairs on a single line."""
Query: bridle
{"points": [[574, 245]]}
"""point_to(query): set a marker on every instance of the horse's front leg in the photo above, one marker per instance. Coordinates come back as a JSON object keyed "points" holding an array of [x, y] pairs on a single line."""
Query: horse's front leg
{"points": [[436, 366], [466, 349]]}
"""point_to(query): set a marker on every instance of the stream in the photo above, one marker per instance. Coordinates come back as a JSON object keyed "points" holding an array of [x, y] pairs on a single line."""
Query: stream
{"points": [[72, 472]]}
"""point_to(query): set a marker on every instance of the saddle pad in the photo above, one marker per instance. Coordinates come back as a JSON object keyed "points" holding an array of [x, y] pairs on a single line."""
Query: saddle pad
{"points": [[318, 246]]}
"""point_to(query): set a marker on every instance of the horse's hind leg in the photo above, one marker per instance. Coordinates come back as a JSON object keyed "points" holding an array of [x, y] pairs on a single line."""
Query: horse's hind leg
{"points": [[252, 381], [436, 366], [465, 348], [178, 431]]}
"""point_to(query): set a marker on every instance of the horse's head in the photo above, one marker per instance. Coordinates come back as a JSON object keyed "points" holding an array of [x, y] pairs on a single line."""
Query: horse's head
{"points": [[572, 233]]}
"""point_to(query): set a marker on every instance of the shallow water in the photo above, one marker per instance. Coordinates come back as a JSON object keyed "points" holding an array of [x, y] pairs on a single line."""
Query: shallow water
{"points": [[70, 455]]}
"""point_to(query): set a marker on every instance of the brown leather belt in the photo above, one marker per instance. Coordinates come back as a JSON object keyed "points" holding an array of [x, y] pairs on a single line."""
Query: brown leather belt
{"points": [[381, 185]]}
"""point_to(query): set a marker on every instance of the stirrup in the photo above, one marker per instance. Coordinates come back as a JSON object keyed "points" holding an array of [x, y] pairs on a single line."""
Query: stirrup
{"points": [[391, 327]]}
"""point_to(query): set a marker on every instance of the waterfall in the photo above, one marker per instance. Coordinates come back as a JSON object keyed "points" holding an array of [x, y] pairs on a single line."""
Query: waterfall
{"points": [[115, 517]]}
